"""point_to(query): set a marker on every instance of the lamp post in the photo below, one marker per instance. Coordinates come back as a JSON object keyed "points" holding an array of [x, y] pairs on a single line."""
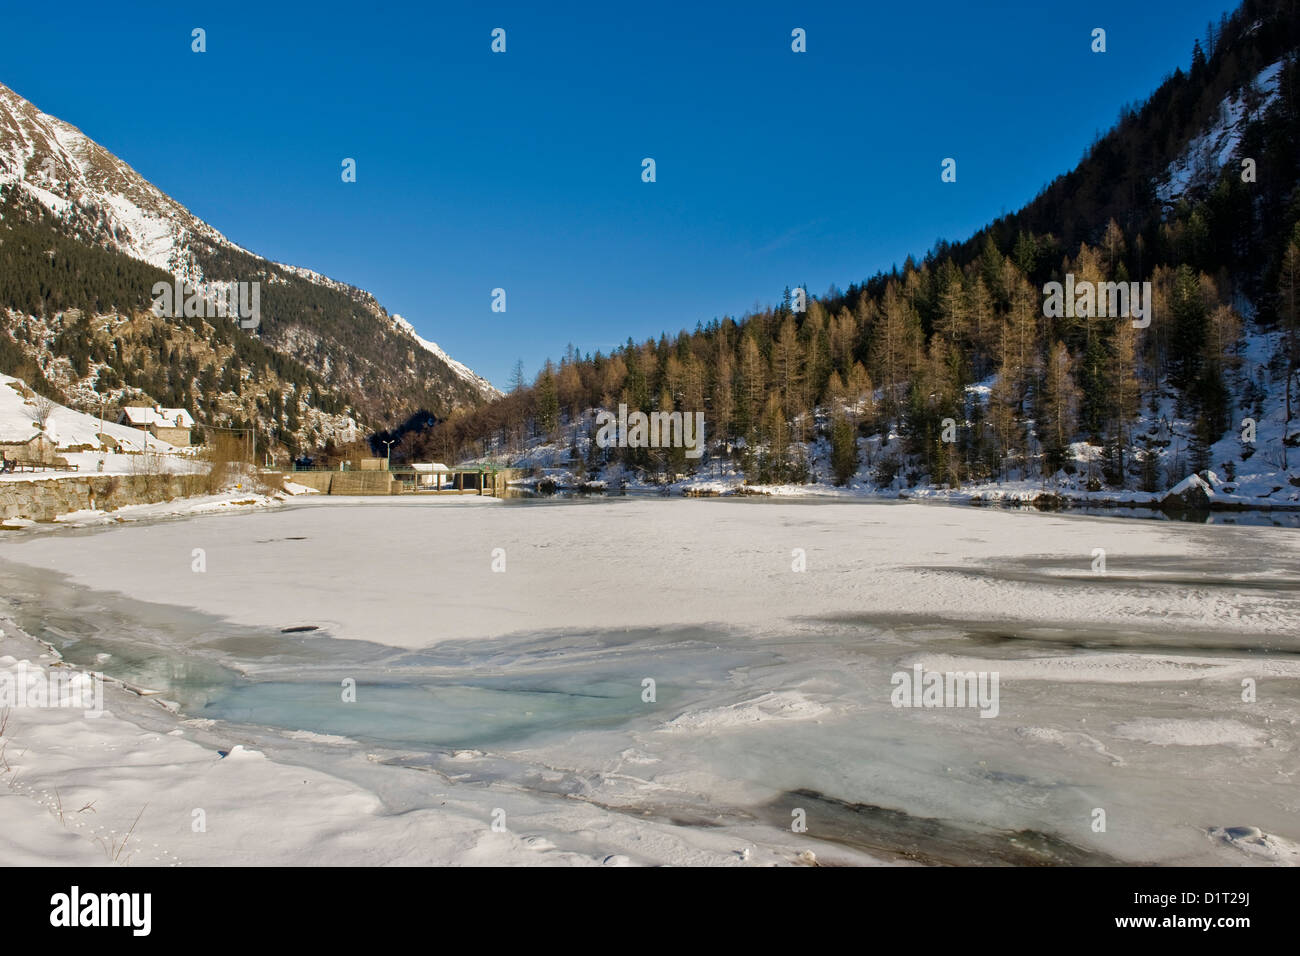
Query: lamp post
{"points": [[388, 449]]}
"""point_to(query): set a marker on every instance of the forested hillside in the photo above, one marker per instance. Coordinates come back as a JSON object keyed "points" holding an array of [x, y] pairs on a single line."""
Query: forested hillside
{"points": [[864, 383], [75, 323]]}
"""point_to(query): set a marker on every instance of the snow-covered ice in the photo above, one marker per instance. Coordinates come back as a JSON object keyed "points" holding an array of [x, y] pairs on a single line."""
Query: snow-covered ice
{"points": [[652, 681]]}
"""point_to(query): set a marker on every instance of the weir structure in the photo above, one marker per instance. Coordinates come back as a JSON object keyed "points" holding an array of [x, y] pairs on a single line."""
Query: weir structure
{"points": [[407, 480]]}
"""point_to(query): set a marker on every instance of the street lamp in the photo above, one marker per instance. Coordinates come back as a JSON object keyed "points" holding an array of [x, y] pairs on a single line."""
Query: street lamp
{"points": [[388, 459]]}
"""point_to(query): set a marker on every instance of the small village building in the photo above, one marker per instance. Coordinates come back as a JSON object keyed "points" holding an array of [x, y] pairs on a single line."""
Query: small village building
{"points": [[429, 474], [33, 447], [171, 425]]}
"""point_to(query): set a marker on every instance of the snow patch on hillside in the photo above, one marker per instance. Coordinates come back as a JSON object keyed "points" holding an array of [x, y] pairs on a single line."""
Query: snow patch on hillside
{"points": [[1206, 155], [485, 387]]}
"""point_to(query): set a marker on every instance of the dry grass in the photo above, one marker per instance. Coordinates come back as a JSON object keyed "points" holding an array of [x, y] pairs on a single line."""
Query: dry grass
{"points": [[116, 848], [61, 813]]}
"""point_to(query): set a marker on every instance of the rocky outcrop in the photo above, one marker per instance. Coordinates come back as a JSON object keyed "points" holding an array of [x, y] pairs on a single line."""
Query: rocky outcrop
{"points": [[1193, 493]]}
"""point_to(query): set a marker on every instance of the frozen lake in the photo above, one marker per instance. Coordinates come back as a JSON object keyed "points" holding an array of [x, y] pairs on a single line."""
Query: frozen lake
{"points": [[500, 655]]}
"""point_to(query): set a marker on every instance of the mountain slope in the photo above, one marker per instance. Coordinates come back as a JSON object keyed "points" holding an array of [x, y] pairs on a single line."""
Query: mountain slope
{"points": [[383, 370]]}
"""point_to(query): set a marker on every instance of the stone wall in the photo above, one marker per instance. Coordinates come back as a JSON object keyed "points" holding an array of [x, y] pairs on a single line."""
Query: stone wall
{"points": [[361, 483], [345, 482], [45, 500], [319, 480]]}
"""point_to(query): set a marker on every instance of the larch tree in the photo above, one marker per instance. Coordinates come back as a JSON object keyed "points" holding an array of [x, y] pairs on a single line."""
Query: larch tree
{"points": [[896, 348], [776, 433], [953, 317], [787, 359], [843, 336], [1058, 413], [723, 403], [1113, 247], [1125, 390], [860, 393], [981, 326], [1020, 333], [753, 381]]}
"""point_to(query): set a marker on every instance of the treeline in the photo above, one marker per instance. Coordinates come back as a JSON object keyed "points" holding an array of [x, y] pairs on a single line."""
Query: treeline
{"points": [[936, 342]]}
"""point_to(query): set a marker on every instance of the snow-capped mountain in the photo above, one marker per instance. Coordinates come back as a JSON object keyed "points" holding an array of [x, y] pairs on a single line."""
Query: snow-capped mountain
{"points": [[103, 200], [461, 369], [62, 168]]}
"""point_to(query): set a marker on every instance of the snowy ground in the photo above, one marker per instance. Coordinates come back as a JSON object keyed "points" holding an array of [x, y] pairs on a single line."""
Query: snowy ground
{"points": [[65, 426], [140, 453], [500, 654]]}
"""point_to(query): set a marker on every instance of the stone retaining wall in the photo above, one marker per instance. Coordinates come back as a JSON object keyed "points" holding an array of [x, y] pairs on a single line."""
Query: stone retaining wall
{"points": [[361, 483], [319, 480], [46, 500]]}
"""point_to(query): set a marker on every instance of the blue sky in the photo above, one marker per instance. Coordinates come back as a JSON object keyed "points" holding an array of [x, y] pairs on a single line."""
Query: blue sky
{"points": [[522, 170]]}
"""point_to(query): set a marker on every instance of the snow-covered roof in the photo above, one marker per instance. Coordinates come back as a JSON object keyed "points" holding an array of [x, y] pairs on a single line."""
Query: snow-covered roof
{"points": [[429, 466], [165, 417], [7, 438]]}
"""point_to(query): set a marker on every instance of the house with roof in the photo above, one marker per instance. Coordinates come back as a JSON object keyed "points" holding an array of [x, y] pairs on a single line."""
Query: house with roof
{"points": [[429, 474], [171, 425], [32, 447]]}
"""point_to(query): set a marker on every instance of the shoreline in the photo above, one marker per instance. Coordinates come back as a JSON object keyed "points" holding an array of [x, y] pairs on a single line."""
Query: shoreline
{"points": [[1047, 502]]}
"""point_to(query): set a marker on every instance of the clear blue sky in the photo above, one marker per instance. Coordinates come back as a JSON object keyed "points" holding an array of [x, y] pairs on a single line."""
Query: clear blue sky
{"points": [[523, 170]]}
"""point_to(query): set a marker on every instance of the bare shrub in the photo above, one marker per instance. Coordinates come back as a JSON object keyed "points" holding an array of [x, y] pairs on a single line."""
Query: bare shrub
{"points": [[268, 483], [226, 454], [42, 407]]}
